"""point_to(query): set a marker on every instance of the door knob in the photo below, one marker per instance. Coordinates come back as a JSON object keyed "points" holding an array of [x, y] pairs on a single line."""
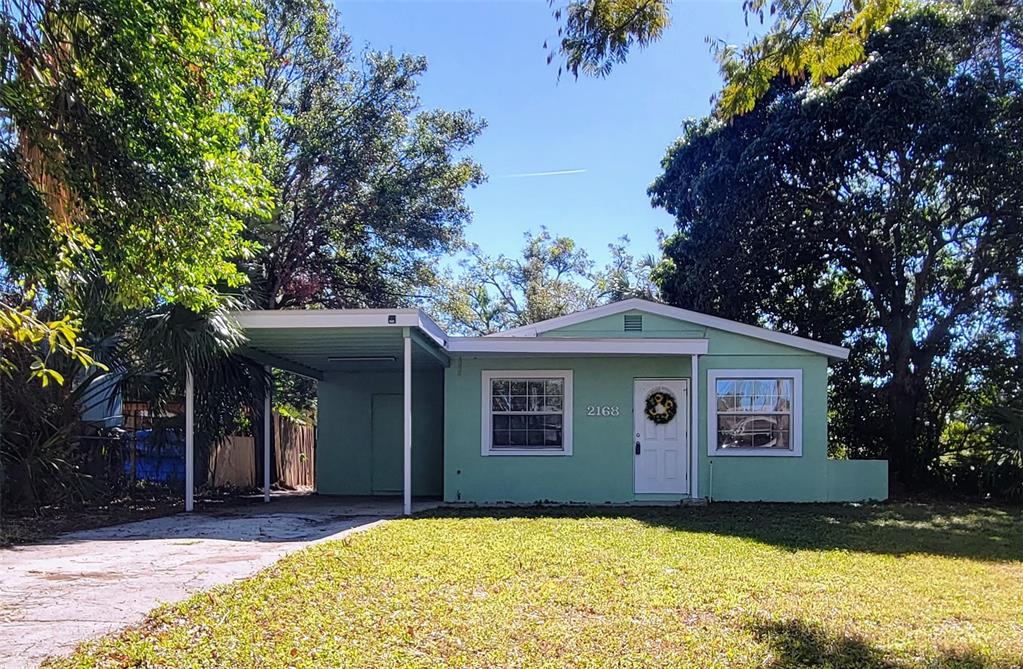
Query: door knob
{"points": [[638, 448]]}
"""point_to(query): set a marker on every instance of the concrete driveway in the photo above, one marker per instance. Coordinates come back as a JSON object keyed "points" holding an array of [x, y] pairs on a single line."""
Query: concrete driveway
{"points": [[85, 584]]}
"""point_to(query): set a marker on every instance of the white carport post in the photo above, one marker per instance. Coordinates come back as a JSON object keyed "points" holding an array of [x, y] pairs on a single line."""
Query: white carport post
{"points": [[408, 421], [694, 428], [267, 428], [189, 439]]}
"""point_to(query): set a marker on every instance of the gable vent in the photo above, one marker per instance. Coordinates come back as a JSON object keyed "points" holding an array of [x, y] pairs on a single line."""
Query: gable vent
{"points": [[633, 323]]}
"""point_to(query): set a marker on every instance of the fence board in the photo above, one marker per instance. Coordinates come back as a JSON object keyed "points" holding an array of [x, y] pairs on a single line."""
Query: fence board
{"points": [[233, 461], [295, 453]]}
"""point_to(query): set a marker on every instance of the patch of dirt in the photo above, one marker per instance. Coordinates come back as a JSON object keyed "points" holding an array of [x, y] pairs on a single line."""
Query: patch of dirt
{"points": [[27, 526]]}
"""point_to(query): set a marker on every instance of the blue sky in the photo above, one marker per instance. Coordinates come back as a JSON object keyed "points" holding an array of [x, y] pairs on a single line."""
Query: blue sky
{"points": [[610, 134]]}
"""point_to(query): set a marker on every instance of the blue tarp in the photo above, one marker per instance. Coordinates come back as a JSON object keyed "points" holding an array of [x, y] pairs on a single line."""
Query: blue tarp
{"points": [[159, 456]]}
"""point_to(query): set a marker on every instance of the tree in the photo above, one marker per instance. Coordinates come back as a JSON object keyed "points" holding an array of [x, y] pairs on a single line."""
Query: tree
{"points": [[883, 210], [122, 130], [807, 38], [370, 188], [553, 277], [121, 144], [122, 159], [51, 455]]}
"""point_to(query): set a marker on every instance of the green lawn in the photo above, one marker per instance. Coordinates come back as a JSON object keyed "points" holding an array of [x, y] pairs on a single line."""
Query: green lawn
{"points": [[721, 586]]}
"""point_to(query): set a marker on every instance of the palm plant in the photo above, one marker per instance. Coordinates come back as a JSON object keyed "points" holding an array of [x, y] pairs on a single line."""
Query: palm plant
{"points": [[1005, 449], [165, 342], [145, 355]]}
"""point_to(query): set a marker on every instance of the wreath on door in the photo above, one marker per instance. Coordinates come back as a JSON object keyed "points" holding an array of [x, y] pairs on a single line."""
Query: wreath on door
{"points": [[661, 407]]}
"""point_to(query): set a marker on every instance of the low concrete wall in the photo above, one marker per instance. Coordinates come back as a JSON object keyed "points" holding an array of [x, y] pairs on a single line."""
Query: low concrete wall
{"points": [[857, 480]]}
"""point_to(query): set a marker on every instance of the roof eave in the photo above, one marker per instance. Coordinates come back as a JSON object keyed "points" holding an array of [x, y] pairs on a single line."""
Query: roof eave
{"points": [[657, 308], [341, 318]]}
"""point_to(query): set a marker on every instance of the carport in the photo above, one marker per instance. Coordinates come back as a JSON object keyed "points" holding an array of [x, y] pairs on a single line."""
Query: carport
{"points": [[330, 345]]}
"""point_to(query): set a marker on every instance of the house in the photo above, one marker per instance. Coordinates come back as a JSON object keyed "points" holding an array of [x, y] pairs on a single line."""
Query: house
{"points": [[630, 402]]}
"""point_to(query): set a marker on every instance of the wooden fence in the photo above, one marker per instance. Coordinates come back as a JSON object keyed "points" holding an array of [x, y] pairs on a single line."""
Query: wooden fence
{"points": [[295, 454], [233, 461]]}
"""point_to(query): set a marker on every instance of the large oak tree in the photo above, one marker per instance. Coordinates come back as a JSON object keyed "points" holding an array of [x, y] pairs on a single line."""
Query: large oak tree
{"points": [[883, 210], [369, 185]]}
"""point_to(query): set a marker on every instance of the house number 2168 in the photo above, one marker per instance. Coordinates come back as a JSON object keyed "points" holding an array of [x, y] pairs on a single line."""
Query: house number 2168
{"points": [[602, 410]]}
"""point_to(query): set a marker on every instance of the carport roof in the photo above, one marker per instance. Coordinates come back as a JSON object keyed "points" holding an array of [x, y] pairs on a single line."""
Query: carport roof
{"points": [[316, 341], [313, 342]]}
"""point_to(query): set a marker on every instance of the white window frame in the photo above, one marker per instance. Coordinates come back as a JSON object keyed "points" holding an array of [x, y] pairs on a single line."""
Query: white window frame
{"points": [[796, 435], [487, 434]]}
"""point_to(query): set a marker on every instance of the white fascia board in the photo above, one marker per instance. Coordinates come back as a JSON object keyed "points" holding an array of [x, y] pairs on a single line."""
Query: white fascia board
{"points": [[680, 314], [325, 318], [340, 318], [431, 329], [540, 346]]}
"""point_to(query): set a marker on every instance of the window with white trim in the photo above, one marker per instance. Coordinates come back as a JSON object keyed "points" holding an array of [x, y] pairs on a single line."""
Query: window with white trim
{"points": [[527, 412], [755, 412]]}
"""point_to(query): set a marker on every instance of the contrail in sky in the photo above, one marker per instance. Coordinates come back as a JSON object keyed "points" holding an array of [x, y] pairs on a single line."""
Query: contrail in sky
{"points": [[541, 174]]}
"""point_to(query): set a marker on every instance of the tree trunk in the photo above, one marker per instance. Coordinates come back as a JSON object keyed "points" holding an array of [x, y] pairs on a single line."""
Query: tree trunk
{"points": [[906, 395]]}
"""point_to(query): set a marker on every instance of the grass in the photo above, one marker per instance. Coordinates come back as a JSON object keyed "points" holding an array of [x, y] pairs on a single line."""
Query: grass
{"points": [[892, 586]]}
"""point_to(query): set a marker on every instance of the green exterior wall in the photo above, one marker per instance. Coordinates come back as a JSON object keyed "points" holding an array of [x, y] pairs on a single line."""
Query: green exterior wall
{"points": [[770, 478], [857, 480], [345, 460], [447, 420], [600, 468], [654, 327]]}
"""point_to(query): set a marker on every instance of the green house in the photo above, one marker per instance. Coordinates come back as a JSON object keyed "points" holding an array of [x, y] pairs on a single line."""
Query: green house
{"points": [[627, 403]]}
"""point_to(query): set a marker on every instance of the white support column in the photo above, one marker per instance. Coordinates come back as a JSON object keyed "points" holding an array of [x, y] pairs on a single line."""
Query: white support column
{"points": [[694, 429], [189, 439], [408, 423], [267, 434]]}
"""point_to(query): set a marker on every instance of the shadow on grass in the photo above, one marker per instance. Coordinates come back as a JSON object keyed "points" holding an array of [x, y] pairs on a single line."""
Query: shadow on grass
{"points": [[901, 529], [798, 644]]}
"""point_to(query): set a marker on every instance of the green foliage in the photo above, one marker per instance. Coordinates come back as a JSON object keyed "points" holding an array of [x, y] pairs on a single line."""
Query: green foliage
{"points": [[48, 451], [151, 351], [370, 187], [985, 454], [155, 158], [1005, 458], [122, 155], [786, 586], [24, 331], [554, 277], [122, 125], [294, 397], [882, 210], [813, 40], [598, 34], [807, 38]]}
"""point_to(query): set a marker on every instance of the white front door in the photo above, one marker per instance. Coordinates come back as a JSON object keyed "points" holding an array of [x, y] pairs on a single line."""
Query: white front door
{"points": [[661, 417]]}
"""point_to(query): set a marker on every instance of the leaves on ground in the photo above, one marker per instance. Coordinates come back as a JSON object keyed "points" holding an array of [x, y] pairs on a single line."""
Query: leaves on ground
{"points": [[893, 586]]}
